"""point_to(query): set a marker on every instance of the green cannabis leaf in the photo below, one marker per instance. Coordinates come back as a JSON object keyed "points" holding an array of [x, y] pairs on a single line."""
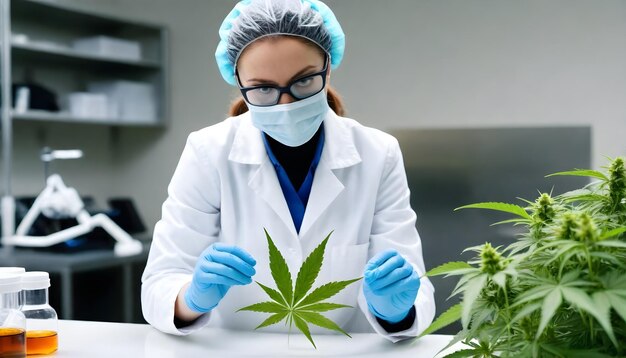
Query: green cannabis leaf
{"points": [[559, 288], [509, 208], [293, 304]]}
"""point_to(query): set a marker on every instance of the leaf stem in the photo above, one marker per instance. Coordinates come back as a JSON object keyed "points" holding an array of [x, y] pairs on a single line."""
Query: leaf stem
{"points": [[290, 321], [508, 309], [588, 256]]}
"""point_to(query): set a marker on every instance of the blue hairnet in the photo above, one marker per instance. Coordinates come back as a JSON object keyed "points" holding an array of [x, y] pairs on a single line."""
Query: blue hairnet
{"points": [[250, 20]]}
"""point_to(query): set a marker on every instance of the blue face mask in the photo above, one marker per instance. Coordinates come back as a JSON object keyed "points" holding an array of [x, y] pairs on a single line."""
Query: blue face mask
{"points": [[292, 124]]}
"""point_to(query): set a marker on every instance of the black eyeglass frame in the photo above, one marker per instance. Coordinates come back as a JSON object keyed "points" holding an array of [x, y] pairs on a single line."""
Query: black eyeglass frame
{"points": [[287, 89]]}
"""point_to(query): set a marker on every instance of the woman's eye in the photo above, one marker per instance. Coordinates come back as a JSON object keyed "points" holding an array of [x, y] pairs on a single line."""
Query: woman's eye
{"points": [[264, 90], [304, 82]]}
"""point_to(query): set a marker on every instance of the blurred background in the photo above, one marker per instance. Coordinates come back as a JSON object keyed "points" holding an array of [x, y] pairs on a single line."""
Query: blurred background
{"points": [[485, 96]]}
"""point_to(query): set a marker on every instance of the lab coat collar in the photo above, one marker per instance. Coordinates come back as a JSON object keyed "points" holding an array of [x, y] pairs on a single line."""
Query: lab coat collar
{"points": [[339, 149], [247, 145], [339, 152]]}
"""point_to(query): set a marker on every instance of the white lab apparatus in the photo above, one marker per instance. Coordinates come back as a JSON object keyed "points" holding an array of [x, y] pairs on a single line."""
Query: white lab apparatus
{"points": [[60, 201], [41, 319], [109, 47], [12, 320], [128, 100]]}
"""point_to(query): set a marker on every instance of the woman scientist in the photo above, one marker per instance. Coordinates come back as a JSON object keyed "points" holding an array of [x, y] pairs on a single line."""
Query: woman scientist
{"points": [[286, 161]]}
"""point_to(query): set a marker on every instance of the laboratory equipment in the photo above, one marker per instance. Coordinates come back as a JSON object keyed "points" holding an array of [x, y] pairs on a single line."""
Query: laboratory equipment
{"points": [[12, 320], [126, 215], [41, 319], [48, 155], [60, 201]]}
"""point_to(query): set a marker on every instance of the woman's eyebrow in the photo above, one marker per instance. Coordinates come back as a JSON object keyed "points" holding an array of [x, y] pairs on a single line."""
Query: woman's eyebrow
{"points": [[300, 73]]}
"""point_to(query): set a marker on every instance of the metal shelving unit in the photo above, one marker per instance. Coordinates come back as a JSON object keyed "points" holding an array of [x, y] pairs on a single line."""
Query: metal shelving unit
{"points": [[36, 39], [7, 205], [45, 54], [73, 56], [45, 116]]}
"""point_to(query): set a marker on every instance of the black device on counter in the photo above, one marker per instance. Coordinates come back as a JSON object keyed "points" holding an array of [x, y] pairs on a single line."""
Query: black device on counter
{"points": [[126, 215]]}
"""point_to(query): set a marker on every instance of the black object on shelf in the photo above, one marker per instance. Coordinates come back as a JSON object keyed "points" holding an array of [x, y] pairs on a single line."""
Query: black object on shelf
{"points": [[40, 97]]}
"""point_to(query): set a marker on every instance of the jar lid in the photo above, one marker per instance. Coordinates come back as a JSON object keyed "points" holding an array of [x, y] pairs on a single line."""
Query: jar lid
{"points": [[10, 282], [35, 280], [17, 270]]}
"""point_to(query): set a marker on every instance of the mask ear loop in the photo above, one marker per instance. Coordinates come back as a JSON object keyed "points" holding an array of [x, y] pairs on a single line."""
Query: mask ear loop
{"points": [[328, 68]]}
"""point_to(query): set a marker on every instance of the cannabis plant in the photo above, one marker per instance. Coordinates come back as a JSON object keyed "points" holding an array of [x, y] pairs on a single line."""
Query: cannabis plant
{"points": [[292, 304], [559, 290]]}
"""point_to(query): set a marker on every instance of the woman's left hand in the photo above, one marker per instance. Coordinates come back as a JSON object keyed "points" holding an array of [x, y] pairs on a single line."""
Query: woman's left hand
{"points": [[390, 286]]}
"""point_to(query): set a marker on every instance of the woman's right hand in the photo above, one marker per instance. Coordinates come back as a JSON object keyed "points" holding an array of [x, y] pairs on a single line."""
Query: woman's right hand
{"points": [[218, 268]]}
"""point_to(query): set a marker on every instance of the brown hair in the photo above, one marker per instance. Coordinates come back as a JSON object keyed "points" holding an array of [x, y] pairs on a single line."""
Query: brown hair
{"points": [[238, 106]]}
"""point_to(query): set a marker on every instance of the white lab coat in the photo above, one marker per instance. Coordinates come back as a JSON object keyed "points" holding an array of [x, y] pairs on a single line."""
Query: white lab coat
{"points": [[225, 189]]}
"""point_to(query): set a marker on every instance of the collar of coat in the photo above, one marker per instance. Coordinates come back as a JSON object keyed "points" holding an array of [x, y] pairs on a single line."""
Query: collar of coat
{"points": [[339, 149]]}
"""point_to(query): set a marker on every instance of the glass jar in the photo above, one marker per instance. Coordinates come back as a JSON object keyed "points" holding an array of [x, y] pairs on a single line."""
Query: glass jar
{"points": [[16, 271], [12, 320], [41, 319]]}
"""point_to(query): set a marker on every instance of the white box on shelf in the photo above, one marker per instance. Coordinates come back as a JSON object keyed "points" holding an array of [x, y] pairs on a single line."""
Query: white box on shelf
{"points": [[129, 100], [88, 105], [109, 47]]}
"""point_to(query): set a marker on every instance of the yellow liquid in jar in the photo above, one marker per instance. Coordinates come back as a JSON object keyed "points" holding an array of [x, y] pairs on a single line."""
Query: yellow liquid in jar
{"points": [[12, 343], [41, 342]]}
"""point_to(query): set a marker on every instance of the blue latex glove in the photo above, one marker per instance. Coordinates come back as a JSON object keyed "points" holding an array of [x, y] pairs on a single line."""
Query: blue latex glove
{"points": [[218, 268], [390, 286]]}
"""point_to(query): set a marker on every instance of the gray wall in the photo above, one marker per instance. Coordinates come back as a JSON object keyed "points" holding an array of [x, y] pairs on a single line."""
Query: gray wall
{"points": [[409, 64]]}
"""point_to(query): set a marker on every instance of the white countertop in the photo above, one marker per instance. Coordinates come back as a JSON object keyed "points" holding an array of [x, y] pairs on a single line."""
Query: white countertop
{"points": [[120, 340]]}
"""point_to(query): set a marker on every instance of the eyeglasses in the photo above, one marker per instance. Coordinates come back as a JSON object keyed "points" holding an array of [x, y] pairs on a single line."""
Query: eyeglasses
{"points": [[301, 88]]}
